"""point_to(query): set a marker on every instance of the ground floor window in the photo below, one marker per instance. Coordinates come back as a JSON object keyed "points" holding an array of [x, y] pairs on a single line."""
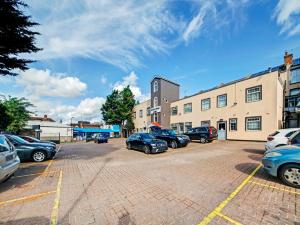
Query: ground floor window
{"points": [[253, 123], [205, 123], [233, 124], [188, 126], [155, 117], [181, 128]]}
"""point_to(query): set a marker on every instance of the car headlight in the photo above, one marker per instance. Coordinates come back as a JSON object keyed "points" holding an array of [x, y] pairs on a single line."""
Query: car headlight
{"points": [[154, 145], [49, 147], [179, 138], [272, 154]]}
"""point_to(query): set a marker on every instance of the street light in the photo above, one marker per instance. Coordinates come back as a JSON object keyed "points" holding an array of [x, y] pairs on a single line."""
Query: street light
{"points": [[71, 129]]}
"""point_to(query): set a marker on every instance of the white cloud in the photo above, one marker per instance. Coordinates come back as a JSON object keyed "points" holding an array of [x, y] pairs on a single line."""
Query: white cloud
{"points": [[287, 14], [103, 79], [131, 81], [45, 83], [116, 32]]}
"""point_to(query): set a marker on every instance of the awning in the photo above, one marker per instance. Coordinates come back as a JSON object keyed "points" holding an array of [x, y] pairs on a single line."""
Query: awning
{"points": [[155, 124]]}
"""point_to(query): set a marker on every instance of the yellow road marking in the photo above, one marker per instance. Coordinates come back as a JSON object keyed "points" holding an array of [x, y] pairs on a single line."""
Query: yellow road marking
{"points": [[27, 197], [276, 188], [220, 207], [54, 214], [35, 174], [228, 218]]}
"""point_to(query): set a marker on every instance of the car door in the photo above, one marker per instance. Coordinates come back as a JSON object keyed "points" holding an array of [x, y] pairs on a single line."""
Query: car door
{"points": [[191, 133], [6, 152], [296, 140]]}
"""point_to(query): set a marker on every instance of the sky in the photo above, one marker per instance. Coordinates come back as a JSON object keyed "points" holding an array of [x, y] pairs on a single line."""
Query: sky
{"points": [[93, 47]]}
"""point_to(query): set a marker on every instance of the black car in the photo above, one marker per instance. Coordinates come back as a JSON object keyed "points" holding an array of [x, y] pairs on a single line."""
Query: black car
{"points": [[146, 142], [171, 137], [100, 138], [36, 152], [35, 140], [203, 134]]}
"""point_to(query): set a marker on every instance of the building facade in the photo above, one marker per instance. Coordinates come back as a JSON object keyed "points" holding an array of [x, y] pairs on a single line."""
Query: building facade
{"points": [[246, 109]]}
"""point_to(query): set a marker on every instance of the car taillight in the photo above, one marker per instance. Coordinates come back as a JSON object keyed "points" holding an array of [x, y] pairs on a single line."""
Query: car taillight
{"points": [[270, 138], [289, 142], [210, 132]]}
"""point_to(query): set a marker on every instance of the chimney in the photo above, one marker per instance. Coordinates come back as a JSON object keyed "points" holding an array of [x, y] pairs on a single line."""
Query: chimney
{"points": [[45, 117], [288, 59]]}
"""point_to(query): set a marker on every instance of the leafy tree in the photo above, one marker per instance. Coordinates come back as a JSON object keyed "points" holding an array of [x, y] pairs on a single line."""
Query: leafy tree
{"points": [[118, 108], [15, 114], [15, 37]]}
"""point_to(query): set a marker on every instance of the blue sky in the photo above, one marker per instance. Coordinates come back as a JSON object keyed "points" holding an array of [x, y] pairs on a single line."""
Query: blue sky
{"points": [[93, 47]]}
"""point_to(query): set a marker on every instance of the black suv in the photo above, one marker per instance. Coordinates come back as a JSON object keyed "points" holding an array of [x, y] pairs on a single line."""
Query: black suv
{"points": [[203, 134], [171, 137]]}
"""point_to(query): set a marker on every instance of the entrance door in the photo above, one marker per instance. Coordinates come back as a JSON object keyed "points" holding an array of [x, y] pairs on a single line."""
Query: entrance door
{"points": [[221, 130]]}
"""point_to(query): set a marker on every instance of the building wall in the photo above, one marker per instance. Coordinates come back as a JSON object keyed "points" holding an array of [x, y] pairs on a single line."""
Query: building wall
{"points": [[269, 108], [141, 123]]}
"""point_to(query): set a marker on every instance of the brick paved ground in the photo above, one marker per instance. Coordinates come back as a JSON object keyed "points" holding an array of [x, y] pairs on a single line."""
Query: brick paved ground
{"points": [[108, 184]]}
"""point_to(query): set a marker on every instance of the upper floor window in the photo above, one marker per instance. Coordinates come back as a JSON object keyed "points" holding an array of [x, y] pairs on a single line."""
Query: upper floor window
{"points": [[253, 94], [134, 115], [205, 104], [148, 111], [155, 102], [141, 113], [222, 100], [174, 110], [187, 108], [295, 91], [295, 76], [155, 86]]}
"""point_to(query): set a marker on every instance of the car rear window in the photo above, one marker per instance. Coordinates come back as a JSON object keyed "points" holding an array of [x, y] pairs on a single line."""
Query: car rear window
{"points": [[274, 134], [290, 133]]}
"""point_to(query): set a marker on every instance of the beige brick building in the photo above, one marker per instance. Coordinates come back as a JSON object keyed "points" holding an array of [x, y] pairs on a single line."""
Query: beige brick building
{"points": [[246, 109]]}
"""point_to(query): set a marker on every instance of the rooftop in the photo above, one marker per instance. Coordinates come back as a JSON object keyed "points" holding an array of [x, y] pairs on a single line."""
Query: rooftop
{"points": [[165, 79]]}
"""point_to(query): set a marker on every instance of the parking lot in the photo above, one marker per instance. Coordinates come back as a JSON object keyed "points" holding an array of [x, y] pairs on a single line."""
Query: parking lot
{"points": [[87, 183]]}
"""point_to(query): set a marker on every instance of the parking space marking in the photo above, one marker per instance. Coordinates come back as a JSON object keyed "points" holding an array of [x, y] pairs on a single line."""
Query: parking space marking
{"points": [[54, 214], [30, 197], [220, 207], [35, 174], [228, 218], [273, 187]]}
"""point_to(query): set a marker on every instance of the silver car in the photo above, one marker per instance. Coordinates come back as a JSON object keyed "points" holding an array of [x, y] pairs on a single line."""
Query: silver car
{"points": [[9, 160]]}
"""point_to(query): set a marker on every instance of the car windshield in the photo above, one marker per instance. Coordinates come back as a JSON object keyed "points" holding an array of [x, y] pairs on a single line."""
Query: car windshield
{"points": [[18, 139], [147, 136], [34, 139]]}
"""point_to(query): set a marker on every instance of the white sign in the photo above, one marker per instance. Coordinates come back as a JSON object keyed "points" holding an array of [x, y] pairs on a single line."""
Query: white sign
{"points": [[155, 109]]}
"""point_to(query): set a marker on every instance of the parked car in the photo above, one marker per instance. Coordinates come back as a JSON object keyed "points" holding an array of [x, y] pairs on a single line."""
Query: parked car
{"points": [[9, 160], [284, 162], [146, 142], [35, 140], [171, 138], [203, 134], [100, 138], [36, 152], [279, 138]]}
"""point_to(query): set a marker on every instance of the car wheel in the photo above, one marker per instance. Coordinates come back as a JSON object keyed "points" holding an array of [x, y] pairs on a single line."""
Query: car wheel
{"points": [[173, 144], [38, 156], [146, 149], [129, 146], [290, 175], [203, 140]]}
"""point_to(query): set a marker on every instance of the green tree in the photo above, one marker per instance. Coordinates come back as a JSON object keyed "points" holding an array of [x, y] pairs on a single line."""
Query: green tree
{"points": [[14, 114], [15, 37], [118, 108]]}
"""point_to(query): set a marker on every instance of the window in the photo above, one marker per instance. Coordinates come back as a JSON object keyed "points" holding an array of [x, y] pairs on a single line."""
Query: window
{"points": [[174, 126], [222, 100], [205, 123], [233, 124], [205, 104], [148, 111], [174, 110], [188, 126], [295, 91], [290, 133], [253, 123], [141, 113], [187, 108], [296, 139], [155, 86], [155, 102], [295, 76], [155, 117], [253, 94], [134, 115]]}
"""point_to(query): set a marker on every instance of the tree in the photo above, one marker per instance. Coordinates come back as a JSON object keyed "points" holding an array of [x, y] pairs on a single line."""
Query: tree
{"points": [[15, 37], [118, 108], [14, 114]]}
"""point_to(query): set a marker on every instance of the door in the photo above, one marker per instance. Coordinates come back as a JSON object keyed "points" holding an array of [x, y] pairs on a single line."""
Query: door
{"points": [[221, 130]]}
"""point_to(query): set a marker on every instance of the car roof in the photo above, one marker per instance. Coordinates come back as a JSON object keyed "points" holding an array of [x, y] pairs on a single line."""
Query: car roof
{"points": [[285, 131], [294, 134]]}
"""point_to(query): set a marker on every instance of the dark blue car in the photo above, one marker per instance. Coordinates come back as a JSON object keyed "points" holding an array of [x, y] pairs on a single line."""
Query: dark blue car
{"points": [[101, 138]]}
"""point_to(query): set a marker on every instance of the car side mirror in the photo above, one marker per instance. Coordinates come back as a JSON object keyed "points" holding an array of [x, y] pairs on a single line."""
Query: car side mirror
{"points": [[3, 148]]}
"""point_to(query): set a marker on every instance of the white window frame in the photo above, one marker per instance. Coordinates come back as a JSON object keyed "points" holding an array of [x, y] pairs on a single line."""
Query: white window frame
{"points": [[174, 114], [218, 102], [257, 93], [231, 122], [205, 102], [251, 120], [155, 86]]}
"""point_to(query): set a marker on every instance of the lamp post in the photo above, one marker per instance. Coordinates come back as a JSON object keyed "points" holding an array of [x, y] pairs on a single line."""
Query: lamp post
{"points": [[71, 129]]}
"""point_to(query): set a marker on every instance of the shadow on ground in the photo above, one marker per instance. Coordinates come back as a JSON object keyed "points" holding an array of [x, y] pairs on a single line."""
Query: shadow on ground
{"points": [[254, 151], [27, 221]]}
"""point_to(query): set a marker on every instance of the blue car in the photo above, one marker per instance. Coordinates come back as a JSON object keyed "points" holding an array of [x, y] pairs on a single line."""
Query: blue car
{"points": [[284, 162], [101, 138]]}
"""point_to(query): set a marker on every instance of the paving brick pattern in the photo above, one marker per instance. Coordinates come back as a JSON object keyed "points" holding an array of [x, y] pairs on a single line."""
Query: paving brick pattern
{"points": [[108, 184]]}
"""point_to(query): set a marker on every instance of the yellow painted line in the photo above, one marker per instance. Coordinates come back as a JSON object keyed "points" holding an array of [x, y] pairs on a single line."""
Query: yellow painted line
{"points": [[54, 214], [228, 219], [276, 188], [27, 197], [220, 207], [35, 174]]}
